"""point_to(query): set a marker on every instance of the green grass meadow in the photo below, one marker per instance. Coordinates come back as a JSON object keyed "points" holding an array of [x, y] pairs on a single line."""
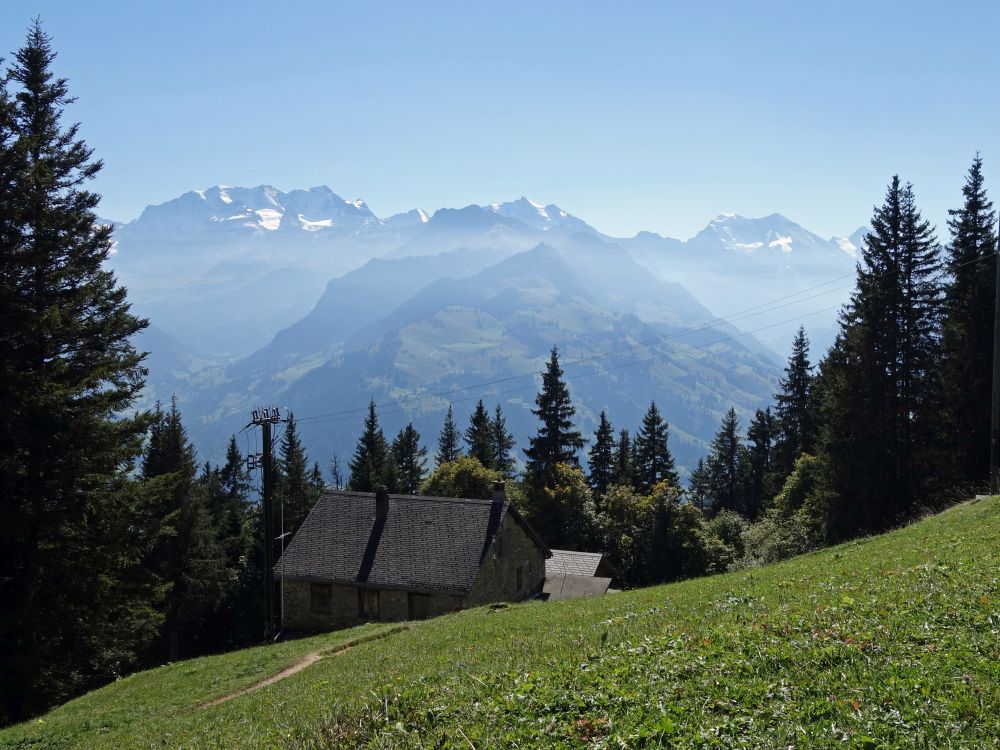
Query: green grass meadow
{"points": [[889, 642]]}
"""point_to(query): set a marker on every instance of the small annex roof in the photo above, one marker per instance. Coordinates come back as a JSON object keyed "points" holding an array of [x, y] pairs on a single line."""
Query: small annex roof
{"points": [[570, 562], [560, 586], [425, 544]]}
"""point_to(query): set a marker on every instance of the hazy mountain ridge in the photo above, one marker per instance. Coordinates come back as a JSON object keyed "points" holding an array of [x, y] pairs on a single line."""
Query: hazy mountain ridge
{"points": [[225, 268], [497, 323], [326, 305]]}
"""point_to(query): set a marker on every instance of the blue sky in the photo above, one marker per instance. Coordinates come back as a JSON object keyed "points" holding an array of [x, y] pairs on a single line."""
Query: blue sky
{"points": [[631, 115]]}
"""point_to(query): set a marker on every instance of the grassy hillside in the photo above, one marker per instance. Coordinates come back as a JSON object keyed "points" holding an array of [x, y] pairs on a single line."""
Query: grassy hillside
{"points": [[889, 642]]}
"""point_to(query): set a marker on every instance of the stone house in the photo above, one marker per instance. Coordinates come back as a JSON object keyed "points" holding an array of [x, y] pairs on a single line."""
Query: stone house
{"points": [[374, 556]]}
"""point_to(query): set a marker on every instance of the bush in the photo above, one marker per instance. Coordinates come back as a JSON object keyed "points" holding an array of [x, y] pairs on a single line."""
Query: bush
{"points": [[463, 477], [798, 519], [725, 540]]}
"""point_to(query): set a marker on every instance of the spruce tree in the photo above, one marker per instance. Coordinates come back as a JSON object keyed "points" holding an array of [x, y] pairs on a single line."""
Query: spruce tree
{"points": [[624, 473], [336, 473], [411, 459], [794, 408], [601, 459], [297, 489], [654, 463], [69, 376], [316, 479], [503, 444], [479, 437], [234, 500], [373, 464], [700, 486], [760, 442], [186, 555], [882, 411], [556, 441], [967, 336], [448, 449], [726, 466]]}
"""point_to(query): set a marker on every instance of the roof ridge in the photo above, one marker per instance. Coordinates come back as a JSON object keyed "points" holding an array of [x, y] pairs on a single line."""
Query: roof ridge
{"points": [[421, 498]]}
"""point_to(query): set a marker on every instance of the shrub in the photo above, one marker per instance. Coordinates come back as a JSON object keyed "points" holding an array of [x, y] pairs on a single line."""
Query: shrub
{"points": [[463, 477]]}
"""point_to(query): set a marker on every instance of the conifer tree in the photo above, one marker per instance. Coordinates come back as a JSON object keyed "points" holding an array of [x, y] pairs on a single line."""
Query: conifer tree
{"points": [[503, 444], [624, 474], [69, 376], [479, 437], [760, 440], [601, 459], [794, 408], [235, 501], [411, 459], [556, 441], [700, 486], [726, 464], [186, 555], [336, 473], [373, 464], [654, 462], [881, 418], [967, 336], [316, 479], [448, 449], [297, 488]]}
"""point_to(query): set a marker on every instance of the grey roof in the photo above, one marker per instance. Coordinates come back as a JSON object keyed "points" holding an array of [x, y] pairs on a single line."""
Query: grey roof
{"points": [[569, 562], [424, 544], [561, 586]]}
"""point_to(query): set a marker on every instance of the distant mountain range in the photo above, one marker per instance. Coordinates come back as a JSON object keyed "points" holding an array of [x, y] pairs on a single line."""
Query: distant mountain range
{"points": [[311, 301]]}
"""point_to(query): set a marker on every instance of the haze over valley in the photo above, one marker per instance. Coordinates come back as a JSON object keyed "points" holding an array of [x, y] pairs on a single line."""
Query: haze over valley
{"points": [[310, 300]]}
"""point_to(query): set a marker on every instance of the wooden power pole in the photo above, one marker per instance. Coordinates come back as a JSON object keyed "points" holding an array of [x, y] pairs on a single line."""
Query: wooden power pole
{"points": [[264, 418], [995, 416]]}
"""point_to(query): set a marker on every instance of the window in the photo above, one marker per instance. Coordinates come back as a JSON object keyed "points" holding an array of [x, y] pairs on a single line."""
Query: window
{"points": [[320, 596], [368, 603], [519, 577], [498, 545]]}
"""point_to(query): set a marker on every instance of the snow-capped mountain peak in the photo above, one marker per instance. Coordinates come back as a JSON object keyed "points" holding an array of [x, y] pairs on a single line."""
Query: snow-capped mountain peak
{"points": [[537, 215]]}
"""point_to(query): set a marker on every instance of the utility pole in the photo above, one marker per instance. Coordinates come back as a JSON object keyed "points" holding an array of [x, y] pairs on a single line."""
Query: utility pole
{"points": [[995, 417], [264, 417]]}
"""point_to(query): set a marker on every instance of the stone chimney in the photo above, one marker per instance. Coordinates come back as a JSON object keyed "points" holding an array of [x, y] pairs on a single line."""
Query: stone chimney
{"points": [[381, 502], [499, 492]]}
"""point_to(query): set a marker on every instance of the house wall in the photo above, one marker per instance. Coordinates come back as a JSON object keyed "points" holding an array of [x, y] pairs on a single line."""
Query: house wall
{"points": [[394, 606], [497, 579]]}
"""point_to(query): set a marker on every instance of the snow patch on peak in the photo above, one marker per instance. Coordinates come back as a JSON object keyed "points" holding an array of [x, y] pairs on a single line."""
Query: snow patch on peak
{"points": [[723, 217], [268, 218], [785, 243], [357, 203], [424, 218], [312, 226], [846, 246]]}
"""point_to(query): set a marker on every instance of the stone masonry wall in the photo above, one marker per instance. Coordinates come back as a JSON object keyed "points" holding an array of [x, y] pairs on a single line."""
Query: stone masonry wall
{"points": [[394, 606], [497, 580]]}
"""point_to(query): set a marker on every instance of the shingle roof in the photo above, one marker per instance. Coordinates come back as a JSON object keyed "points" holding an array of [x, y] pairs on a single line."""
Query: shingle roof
{"points": [[569, 562], [560, 586], [424, 544]]}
